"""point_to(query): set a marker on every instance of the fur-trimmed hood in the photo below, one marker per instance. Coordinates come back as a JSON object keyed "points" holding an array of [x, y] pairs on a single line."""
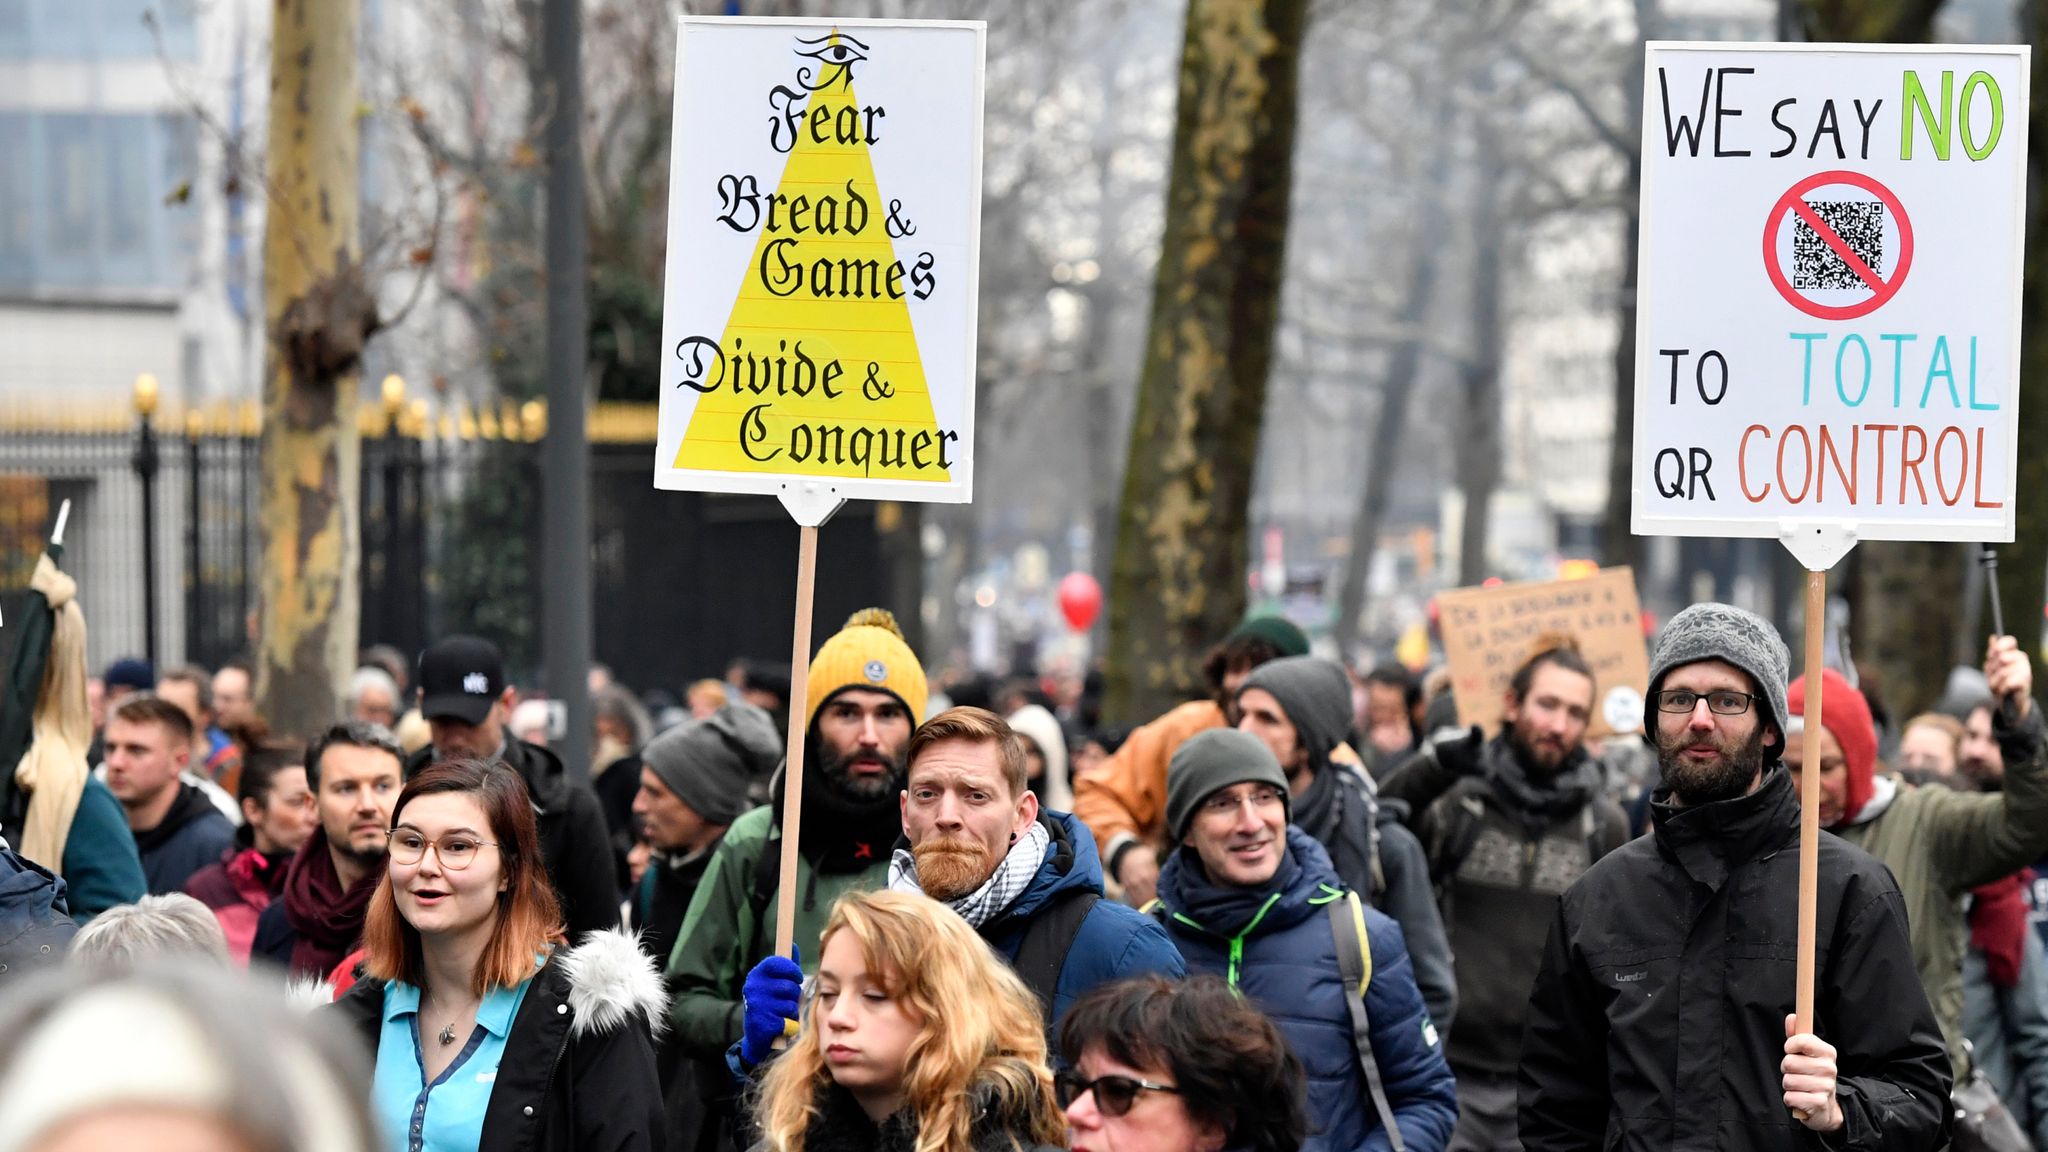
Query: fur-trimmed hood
{"points": [[611, 981]]}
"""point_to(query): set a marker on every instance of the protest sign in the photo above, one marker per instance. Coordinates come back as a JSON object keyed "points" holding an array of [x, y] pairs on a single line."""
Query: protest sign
{"points": [[818, 314], [1489, 632], [1828, 324], [818, 323]]}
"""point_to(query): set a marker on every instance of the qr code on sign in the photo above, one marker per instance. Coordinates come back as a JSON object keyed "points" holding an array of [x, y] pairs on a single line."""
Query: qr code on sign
{"points": [[1860, 224]]}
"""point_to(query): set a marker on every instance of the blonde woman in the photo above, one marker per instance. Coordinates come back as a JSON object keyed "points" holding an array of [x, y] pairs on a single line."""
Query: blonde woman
{"points": [[916, 1038]]}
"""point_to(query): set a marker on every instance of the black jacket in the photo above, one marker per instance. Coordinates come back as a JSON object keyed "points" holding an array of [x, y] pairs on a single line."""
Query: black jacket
{"points": [[1500, 855], [841, 1125], [578, 1070], [191, 836], [574, 842], [1658, 1016]]}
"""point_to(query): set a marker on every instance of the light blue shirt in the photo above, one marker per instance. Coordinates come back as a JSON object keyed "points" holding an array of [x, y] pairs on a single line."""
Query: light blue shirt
{"points": [[447, 1115]]}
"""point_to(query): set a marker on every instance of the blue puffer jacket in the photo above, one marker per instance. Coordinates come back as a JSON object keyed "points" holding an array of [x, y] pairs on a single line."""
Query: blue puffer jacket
{"points": [[1275, 945], [1115, 942]]}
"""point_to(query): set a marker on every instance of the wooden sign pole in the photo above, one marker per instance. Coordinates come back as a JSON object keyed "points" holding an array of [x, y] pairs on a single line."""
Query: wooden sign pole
{"points": [[799, 722], [1809, 800]]}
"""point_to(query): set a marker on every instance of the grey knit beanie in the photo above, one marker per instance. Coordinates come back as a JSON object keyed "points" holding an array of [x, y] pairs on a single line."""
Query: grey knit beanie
{"points": [[1213, 760], [1316, 695], [708, 763], [1725, 632]]}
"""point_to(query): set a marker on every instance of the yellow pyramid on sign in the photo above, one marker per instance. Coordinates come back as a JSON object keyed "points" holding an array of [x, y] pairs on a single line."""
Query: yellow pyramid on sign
{"points": [[824, 289]]}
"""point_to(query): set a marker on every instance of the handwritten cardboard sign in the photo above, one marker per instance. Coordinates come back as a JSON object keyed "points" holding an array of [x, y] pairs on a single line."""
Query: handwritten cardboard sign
{"points": [[1832, 245], [1489, 632], [824, 221]]}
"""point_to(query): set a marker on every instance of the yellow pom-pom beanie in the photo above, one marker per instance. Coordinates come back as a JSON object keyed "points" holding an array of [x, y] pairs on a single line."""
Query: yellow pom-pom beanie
{"points": [[870, 653]]}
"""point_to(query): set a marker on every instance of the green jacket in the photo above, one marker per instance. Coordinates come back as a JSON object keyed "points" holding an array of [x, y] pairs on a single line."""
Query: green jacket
{"points": [[724, 935], [1939, 844]]}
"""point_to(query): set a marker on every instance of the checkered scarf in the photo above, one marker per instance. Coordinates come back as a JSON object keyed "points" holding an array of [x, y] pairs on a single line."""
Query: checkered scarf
{"points": [[982, 905]]}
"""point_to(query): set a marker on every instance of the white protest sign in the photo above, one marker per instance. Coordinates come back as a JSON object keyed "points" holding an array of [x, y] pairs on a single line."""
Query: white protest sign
{"points": [[1828, 331], [818, 325]]}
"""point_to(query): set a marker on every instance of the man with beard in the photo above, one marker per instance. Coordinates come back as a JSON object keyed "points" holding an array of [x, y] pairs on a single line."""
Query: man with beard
{"points": [[1123, 799], [1026, 878], [1939, 843], [867, 689], [354, 770], [1508, 825], [1661, 1016], [1298, 707]]}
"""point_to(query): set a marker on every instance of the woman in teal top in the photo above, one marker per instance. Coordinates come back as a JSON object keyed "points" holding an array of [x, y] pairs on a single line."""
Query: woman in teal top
{"points": [[488, 1033]]}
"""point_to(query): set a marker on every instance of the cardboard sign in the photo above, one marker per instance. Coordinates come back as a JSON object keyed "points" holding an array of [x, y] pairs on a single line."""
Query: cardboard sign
{"points": [[1489, 632], [818, 323], [1828, 335]]}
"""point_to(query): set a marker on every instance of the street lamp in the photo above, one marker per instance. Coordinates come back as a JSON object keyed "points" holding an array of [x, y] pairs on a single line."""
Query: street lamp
{"points": [[145, 470]]}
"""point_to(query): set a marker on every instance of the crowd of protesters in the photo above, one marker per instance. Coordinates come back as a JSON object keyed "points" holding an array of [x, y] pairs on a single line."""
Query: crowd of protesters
{"points": [[1307, 911]]}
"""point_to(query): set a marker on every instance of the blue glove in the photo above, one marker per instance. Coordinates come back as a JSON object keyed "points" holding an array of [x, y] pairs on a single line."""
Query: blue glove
{"points": [[772, 993]]}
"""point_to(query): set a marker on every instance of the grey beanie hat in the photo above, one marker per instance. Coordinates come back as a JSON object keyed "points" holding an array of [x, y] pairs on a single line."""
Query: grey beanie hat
{"points": [[709, 763], [1724, 632], [1316, 695], [1212, 760]]}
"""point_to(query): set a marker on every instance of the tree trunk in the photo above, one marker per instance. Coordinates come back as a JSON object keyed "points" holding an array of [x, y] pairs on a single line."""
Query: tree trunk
{"points": [[1479, 448], [1178, 583], [1618, 544], [318, 313], [2022, 564], [1392, 423]]}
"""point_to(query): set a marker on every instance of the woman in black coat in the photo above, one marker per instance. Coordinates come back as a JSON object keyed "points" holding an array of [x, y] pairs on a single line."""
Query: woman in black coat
{"points": [[488, 1032]]}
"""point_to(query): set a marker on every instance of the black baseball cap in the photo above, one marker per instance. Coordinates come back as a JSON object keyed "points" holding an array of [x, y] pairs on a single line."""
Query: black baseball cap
{"points": [[460, 678]]}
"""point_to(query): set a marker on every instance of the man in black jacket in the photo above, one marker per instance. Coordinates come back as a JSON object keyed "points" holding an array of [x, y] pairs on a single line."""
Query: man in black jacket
{"points": [[1508, 824], [465, 701], [1661, 1014]]}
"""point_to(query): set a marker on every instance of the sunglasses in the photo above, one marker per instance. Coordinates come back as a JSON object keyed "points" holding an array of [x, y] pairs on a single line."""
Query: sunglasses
{"points": [[1114, 1095]]}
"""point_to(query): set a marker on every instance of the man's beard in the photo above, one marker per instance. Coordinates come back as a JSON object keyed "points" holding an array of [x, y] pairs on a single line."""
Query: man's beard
{"points": [[1722, 779], [839, 774], [949, 868], [1539, 758], [371, 857]]}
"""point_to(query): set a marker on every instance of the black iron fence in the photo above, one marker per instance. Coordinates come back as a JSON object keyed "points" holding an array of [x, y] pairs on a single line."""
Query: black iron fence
{"points": [[450, 540]]}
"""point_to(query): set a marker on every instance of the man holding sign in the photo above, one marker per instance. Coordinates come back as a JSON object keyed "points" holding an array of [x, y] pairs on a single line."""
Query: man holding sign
{"points": [[868, 690], [1661, 1015]]}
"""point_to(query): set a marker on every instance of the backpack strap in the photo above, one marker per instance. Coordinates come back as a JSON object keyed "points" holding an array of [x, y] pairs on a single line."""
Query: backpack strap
{"points": [[1459, 821], [1354, 960], [1047, 939]]}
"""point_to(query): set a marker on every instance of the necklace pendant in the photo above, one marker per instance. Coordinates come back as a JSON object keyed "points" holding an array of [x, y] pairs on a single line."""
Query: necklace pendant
{"points": [[448, 1035]]}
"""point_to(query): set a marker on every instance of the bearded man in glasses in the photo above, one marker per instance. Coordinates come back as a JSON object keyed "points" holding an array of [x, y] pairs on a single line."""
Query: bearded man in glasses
{"points": [[1254, 899], [1662, 1012]]}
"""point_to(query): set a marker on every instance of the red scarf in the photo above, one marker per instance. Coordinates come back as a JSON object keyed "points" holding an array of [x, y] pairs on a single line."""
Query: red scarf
{"points": [[1998, 926], [327, 919]]}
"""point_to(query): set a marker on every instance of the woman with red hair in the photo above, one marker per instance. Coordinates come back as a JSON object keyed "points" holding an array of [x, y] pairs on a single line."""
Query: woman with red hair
{"points": [[488, 1031]]}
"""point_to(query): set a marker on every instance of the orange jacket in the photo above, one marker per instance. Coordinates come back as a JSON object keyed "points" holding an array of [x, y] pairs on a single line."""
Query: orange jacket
{"points": [[1123, 799]]}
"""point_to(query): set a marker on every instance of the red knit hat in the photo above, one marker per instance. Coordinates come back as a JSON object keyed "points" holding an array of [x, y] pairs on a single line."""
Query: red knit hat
{"points": [[1846, 715]]}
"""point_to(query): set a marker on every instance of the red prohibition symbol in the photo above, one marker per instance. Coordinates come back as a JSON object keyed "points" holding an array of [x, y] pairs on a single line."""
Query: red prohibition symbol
{"points": [[1881, 289]]}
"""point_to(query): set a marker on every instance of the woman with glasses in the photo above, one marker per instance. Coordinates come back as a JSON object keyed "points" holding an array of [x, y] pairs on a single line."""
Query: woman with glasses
{"points": [[488, 1031], [916, 1038], [1155, 1066]]}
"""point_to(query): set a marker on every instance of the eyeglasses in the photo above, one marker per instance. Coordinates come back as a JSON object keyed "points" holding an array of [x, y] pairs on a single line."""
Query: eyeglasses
{"points": [[454, 852], [1722, 703], [1224, 802], [1114, 1095]]}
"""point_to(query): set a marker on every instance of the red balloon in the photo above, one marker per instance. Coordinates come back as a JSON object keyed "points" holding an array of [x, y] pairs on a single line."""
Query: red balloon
{"points": [[1080, 600]]}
